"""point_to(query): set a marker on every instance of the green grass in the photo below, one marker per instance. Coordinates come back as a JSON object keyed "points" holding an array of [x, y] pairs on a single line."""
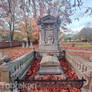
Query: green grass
{"points": [[86, 46], [66, 43], [82, 45]]}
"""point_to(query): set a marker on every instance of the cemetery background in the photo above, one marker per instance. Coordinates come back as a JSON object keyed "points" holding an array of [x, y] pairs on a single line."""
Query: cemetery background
{"points": [[31, 24], [68, 73]]}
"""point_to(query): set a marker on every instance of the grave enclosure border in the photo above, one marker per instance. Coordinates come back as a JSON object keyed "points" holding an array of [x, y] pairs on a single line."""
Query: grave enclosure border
{"points": [[82, 67]]}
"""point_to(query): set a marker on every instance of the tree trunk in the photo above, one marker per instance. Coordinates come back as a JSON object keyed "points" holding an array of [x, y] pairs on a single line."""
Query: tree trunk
{"points": [[34, 9], [28, 39]]}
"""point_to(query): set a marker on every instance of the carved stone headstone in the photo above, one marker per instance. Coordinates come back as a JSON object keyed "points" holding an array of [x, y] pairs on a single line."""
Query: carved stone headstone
{"points": [[49, 31], [49, 46], [27, 44], [23, 44]]}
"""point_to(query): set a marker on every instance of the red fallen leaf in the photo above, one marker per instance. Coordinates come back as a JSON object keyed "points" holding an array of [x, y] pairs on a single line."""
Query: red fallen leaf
{"points": [[0, 77], [47, 77], [67, 69], [29, 73], [74, 90], [64, 90], [23, 90]]}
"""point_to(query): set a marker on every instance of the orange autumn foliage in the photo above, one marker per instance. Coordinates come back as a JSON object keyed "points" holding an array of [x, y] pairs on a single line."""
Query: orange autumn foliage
{"points": [[33, 26], [56, 4]]}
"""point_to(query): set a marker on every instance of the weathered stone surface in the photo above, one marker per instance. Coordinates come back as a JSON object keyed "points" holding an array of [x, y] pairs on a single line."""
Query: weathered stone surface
{"points": [[49, 31], [49, 45], [50, 65], [4, 73], [49, 61]]}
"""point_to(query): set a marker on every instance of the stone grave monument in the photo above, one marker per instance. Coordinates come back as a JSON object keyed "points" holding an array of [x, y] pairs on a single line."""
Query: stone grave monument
{"points": [[25, 43], [49, 35], [50, 65], [49, 47]]}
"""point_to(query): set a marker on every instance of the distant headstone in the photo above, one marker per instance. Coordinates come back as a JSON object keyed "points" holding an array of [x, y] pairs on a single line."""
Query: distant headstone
{"points": [[49, 31], [49, 47], [23, 44], [27, 46], [31, 45]]}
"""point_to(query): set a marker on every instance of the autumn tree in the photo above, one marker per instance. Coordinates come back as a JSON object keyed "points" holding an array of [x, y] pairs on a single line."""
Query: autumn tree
{"points": [[8, 16], [15, 13]]}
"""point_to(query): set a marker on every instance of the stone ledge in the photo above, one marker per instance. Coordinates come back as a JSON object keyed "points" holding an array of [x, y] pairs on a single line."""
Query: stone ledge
{"points": [[50, 65]]}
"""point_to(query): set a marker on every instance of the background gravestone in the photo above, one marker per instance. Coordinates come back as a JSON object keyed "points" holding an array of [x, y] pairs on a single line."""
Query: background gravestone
{"points": [[49, 35]]}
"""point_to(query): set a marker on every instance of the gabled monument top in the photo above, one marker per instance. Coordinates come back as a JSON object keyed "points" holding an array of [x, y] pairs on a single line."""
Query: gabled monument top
{"points": [[47, 20]]}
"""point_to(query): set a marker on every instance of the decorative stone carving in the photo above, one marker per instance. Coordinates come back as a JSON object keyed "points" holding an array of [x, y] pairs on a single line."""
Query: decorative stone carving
{"points": [[31, 45], [49, 31], [49, 46]]}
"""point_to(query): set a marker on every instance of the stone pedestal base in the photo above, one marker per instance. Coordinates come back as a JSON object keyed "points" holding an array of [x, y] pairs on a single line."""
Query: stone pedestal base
{"points": [[43, 50], [4, 73], [56, 70], [50, 65]]}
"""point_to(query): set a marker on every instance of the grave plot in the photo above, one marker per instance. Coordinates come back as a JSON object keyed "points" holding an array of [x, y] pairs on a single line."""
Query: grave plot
{"points": [[46, 69], [52, 73], [32, 72]]}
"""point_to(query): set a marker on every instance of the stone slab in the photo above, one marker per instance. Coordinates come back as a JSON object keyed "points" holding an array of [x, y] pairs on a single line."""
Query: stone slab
{"points": [[48, 60], [56, 70], [50, 65]]}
